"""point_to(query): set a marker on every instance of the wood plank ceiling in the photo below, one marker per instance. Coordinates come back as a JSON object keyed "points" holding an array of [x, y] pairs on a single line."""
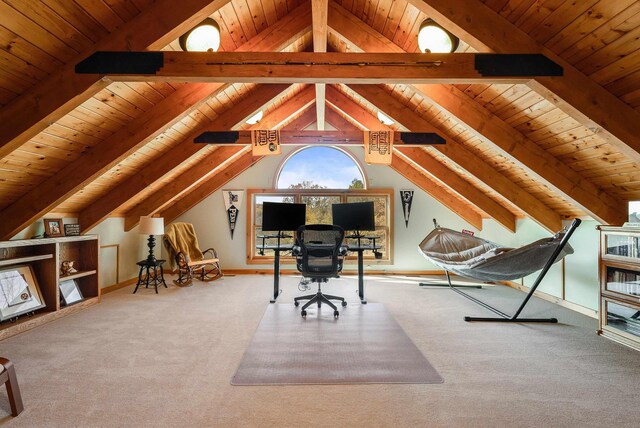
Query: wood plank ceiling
{"points": [[549, 149]]}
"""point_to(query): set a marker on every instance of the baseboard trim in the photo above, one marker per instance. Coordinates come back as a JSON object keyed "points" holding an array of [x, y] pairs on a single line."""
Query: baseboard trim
{"points": [[118, 286], [344, 272], [557, 300]]}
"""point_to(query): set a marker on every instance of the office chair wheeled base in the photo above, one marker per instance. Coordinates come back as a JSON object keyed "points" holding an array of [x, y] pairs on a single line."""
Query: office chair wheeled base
{"points": [[319, 298]]}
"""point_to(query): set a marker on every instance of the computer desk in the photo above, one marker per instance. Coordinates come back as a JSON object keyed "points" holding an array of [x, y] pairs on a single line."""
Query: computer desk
{"points": [[360, 249], [277, 248]]}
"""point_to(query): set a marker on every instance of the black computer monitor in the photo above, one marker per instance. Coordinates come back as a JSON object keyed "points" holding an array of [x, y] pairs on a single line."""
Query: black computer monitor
{"points": [[355, 216], [277, 216]]}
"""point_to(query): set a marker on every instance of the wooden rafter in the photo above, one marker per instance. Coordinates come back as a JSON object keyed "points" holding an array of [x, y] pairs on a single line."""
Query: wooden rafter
{"points": [[459, 185], [320, 32], [182, 184], [63, 91], [464, 158], [312, 67], [433, 170], [208, 186], [154, 171], [417, 176], [576, 94], [490, 128], [335, 119], [304, 119], [100, 158]]}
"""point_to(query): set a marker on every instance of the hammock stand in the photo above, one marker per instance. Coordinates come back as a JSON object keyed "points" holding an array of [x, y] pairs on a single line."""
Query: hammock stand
{"points": [[514, 318]]}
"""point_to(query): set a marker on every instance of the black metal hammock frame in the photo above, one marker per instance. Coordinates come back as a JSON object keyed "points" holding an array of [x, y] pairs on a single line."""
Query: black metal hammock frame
{"points": [[515, 317]]}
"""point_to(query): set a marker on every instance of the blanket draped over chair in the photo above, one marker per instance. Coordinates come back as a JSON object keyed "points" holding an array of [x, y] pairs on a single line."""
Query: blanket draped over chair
{"points": [[181, 243]]}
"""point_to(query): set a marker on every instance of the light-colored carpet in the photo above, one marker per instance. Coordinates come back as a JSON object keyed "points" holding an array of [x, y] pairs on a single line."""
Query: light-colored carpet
{"points": [[165, 360], [364, 345]]}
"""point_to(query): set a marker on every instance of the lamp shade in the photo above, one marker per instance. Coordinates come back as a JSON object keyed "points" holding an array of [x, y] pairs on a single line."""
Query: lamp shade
{"points": [[151, 225], [205, 37], [432, 38]]}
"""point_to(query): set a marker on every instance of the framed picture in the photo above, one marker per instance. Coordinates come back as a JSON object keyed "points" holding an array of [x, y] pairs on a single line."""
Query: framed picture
{"points": [[71, 230], [19, 292], [70, 292], [53, 227]]}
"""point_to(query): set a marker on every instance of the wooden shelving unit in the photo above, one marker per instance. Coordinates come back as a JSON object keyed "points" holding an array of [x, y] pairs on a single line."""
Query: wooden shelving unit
{"points": [[620, 285], [45, 257]]}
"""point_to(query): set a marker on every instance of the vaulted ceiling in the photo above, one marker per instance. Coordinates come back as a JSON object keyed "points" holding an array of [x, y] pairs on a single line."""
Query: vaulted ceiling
{"points": [[549, 148]]}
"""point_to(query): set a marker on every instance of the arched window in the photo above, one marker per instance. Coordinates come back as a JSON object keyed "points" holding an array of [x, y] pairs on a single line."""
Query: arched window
{"points": [[320, 167], [319, 176]]}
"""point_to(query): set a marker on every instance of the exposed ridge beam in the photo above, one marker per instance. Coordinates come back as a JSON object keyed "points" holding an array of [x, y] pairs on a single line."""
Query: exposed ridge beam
{"points": [[155, 170], [320, 32], [61, 92], [575, 93]]}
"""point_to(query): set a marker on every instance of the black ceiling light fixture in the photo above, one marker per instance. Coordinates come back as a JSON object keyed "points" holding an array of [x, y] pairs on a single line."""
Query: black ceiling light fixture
{"points": [[433, 38], [204, 37]]}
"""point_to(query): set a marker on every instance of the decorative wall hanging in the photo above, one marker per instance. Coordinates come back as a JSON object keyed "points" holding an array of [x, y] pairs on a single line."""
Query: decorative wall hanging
{"points": [[265, 142], [378, 146], [232, 202], [406, 196]]}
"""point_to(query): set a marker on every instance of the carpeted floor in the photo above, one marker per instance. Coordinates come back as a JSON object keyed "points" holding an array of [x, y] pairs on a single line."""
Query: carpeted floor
{"points": [[167, 360]]}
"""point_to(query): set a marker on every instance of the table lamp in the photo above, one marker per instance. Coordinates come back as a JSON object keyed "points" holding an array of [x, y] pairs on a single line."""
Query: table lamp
{"points": [[151, 226]]}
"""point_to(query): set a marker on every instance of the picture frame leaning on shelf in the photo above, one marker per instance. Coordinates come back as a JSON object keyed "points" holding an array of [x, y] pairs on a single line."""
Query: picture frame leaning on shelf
{"points": [[19, 292]]}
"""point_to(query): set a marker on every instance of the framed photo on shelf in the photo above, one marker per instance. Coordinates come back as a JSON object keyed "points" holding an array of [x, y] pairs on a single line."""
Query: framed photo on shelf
{"points": [[53, 227], [70, 292], [19, 292]]}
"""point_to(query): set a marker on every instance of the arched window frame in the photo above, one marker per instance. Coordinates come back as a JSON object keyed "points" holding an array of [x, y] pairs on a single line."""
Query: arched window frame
{"points": [[382, 196]]}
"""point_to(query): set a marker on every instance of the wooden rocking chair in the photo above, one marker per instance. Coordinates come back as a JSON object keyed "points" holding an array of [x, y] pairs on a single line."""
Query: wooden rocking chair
{"points": [[181, 243]]}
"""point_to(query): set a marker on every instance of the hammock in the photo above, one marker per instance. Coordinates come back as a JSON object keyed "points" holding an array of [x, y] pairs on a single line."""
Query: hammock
{"points": [[487, 261]]}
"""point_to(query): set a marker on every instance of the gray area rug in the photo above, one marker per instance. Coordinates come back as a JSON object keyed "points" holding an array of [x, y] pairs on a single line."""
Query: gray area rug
{"points": [[364, 345]]}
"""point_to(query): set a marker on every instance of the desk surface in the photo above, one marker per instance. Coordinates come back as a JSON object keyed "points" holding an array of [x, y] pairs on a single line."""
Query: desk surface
{"points": [[281, 247]]}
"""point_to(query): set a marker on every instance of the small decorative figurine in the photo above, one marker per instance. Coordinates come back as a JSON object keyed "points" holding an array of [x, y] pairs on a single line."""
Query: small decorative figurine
{"points": [[67, 268]]}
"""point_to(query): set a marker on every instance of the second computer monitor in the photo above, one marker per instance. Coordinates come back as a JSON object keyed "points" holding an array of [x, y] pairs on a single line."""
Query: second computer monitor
{"points": [[355, 216]]}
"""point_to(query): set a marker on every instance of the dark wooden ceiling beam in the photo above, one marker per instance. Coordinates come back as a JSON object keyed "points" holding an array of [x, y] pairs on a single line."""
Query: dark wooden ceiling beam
{"points": [[52, 98], [575, 93], [336, 138], [313, 67]]}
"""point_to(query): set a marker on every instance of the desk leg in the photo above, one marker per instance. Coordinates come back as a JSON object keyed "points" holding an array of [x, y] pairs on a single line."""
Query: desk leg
{"points": [[361, 277], [276, 276]]}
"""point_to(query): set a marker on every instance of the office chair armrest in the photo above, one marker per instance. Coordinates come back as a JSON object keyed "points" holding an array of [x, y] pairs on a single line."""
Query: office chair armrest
{"points": [[342, 251], [296, 251]]}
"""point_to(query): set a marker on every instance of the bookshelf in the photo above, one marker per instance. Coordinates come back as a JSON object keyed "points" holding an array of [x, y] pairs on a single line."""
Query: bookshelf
{"points": [[44, 257], [619, 267]]}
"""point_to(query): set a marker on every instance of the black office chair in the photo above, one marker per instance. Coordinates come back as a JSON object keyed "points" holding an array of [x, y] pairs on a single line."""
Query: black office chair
{"points": [[319, 256]]}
